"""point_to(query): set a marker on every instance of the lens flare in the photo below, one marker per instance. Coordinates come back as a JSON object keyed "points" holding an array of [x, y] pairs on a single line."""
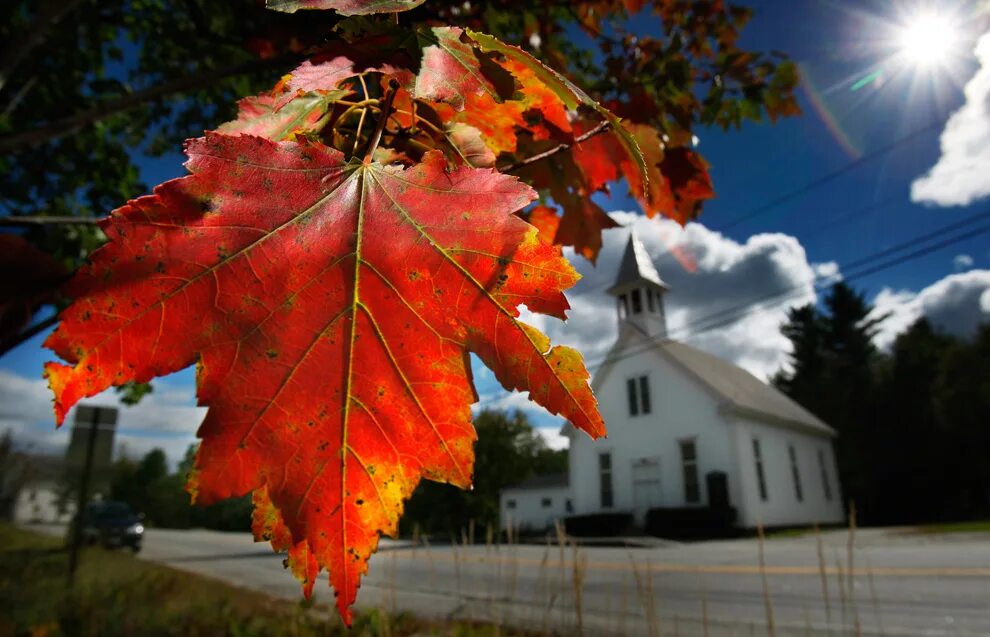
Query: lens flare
{"points": [[928, 40]]}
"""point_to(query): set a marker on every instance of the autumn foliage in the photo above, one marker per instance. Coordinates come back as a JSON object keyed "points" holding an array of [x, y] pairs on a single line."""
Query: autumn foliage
{"points": [[339, 249]]}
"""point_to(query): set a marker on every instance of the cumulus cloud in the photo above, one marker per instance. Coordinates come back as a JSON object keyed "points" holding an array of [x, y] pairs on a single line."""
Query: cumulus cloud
{"points": [[962, 262], [960, 176], [958, 304], [166, 419], [726, 297], [553, 438]]}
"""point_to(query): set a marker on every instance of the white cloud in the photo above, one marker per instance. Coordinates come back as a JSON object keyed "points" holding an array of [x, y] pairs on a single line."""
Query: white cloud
{"points": [[726, 297], [166, 419], [960, 176], [827, 273], [957, 304], [962, 262], [553, 438]]}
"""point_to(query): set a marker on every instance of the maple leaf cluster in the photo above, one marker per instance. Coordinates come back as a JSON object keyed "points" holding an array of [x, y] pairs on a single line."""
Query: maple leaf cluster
{"points": [[337, 252]]}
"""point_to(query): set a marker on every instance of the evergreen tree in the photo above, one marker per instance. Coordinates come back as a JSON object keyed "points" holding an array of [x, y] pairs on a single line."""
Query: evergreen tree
{"points": [[832, 375]]}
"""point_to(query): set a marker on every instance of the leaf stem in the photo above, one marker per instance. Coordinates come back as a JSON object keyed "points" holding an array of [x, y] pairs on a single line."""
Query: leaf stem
{"points": [[357, 133], [597, 130], [376, 137]]}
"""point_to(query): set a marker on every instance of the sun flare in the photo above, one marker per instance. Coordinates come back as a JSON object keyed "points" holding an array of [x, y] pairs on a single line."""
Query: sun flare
{"points": [[928, 40]]}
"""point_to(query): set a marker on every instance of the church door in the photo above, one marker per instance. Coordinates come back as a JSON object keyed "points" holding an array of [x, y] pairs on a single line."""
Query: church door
{"points": [[646, 486]]}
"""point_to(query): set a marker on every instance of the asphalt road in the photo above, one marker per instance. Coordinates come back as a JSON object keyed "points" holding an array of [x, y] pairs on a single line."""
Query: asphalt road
{"points": [[900, 584]]}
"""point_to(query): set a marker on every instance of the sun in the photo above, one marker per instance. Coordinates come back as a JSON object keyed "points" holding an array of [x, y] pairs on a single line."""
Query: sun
{"points": [[928, 40]]}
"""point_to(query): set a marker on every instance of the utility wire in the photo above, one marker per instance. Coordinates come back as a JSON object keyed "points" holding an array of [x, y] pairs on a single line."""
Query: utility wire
{"points": [[828, 177], [728, 316]]}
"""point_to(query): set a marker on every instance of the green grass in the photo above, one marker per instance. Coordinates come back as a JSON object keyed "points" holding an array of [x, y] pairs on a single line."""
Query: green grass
{"points": [[976, 526], [119, 595], [789, 533]]}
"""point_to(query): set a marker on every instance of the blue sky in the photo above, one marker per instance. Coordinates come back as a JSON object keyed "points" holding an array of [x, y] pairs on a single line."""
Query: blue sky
{"points": [[865, 210]]}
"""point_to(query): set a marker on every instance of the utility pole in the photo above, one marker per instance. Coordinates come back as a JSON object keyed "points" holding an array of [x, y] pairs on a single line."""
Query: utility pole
{"points": [[94, 421]]}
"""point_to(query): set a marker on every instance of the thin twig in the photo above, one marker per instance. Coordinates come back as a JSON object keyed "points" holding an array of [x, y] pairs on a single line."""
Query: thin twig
{"points": [[364, 115], [597, 130], [767, 600], [850, 551], [40, 220], [823, 577], [382, 120], [18, 49]]}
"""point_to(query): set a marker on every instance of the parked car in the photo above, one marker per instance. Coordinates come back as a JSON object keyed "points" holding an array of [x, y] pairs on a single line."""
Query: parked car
{"points": [[112, 524]]}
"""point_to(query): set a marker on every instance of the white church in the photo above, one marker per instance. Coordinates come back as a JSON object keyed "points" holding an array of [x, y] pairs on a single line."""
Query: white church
{"points": [[686, 429]]}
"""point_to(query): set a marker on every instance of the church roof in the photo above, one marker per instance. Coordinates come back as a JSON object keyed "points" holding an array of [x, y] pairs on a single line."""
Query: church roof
{"points": [[550, 481], [739, 391], [636, 266], [745, 393]]}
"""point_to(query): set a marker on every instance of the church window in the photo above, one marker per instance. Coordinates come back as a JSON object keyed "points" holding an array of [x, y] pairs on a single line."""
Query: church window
{"points": [[546, 503], [761, 478], [605, 479], [689, 464], [649, 300], [796, 472], [637, 301], [638, 393], [633, 399], [644, 393], [510, 504], [623, 306], [825, 483]]}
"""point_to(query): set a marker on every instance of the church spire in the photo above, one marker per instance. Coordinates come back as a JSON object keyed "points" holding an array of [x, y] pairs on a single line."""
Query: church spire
{"points": [[639, 290]]}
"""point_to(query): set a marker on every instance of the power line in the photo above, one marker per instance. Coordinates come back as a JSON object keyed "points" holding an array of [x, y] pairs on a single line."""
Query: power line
{"points": [[852, 265], [828, 177], [730, 315]]}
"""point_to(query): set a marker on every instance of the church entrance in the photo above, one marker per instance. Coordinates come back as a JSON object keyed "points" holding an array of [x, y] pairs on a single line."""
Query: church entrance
{"points": [[646, 487]]}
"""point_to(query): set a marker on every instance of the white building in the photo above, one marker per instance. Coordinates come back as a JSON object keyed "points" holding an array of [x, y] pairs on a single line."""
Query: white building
{"points": [[537, 503], [678, 417]]}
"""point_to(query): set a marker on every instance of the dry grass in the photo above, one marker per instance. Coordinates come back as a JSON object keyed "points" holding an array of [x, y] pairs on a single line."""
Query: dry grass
{"points": [[119, 595]]}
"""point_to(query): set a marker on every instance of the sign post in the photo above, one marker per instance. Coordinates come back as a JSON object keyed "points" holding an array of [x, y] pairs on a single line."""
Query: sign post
{"points": [[92, 419]]}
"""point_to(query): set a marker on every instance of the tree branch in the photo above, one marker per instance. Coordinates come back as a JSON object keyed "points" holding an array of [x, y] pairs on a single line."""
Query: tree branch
{"points": [[53, 130], [41, 220], [48, 16], [34, 330], [597, 130]]}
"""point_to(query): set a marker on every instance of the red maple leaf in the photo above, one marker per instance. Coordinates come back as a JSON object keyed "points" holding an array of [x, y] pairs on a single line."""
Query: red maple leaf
{"points": [[37, 278], [331, 306]]}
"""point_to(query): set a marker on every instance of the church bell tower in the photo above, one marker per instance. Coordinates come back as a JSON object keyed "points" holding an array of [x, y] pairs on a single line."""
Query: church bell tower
{"points": [[639, 291]]}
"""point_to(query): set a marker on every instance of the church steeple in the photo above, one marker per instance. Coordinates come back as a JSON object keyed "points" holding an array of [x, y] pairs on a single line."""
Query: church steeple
{"points": [[639, 290]]}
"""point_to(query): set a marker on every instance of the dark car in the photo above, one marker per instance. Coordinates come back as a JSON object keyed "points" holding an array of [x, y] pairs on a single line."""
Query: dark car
{"points": [[112, 524]]}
